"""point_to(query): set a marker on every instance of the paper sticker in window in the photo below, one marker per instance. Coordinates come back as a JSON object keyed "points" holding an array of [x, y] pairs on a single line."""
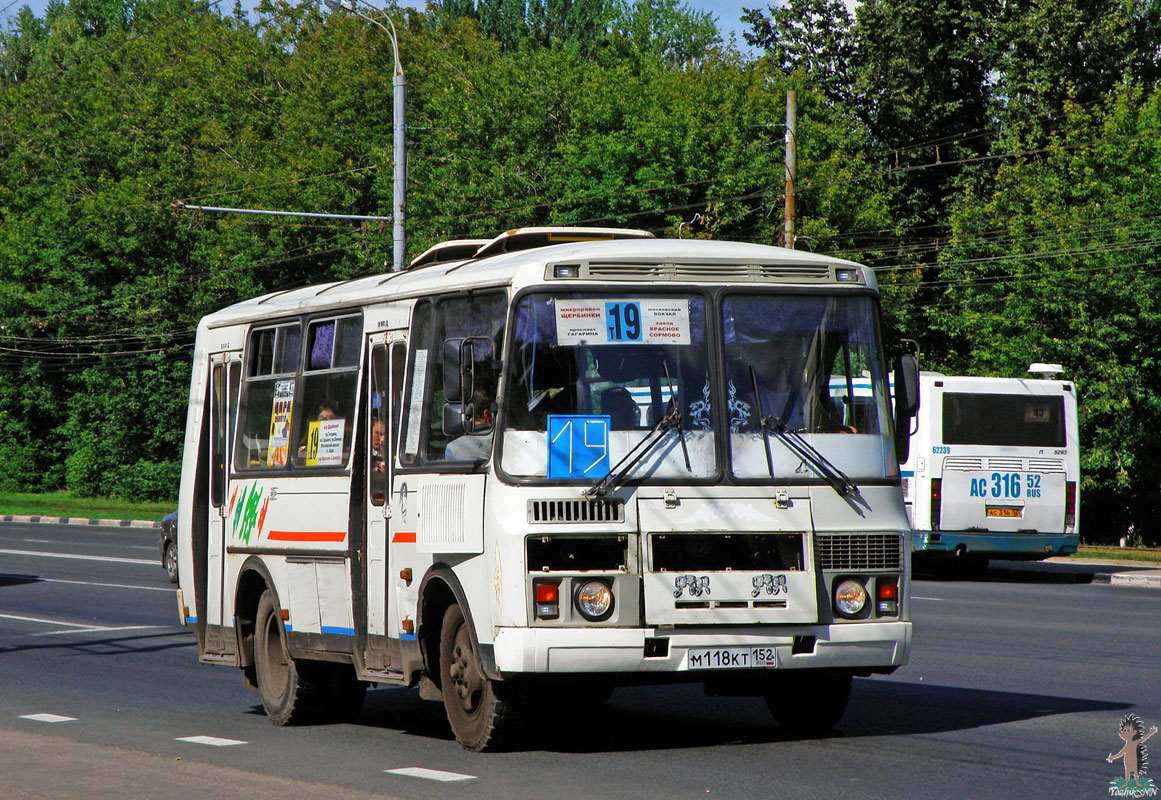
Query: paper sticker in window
{"points": [[324, 443], [415, 411], [599, 322]]}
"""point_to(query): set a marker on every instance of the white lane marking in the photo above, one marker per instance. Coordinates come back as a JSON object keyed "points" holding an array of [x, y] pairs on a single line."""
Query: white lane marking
{"points": [[79, 557], [47, 718], [169, 589], [933, 599], [99, 629], [77, 625], [431, 774], [212, 741]]}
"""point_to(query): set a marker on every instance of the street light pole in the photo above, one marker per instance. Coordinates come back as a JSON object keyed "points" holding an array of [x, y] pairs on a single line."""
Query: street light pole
{"points": [[399, 110]]}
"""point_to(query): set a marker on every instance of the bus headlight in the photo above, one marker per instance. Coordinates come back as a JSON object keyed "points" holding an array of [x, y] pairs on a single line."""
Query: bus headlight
{"points": [[850, 598], [594, 600]]}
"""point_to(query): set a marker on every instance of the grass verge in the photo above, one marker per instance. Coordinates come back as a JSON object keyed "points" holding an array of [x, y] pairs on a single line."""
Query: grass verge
{"points": [[63, 504], [1120, 553]]}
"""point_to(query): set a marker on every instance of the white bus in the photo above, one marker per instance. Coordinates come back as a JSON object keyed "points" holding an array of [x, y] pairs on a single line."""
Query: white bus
{"points": [[546, 465], [994, 469]]}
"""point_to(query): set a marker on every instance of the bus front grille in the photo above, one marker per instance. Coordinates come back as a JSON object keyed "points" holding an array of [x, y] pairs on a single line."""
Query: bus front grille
{"points": [[576, 510], [858, 551]]}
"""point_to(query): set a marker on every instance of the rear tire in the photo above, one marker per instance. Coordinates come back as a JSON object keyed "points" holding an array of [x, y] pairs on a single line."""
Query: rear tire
{"points": [[292, 692], [809, 703], [482, 718]]}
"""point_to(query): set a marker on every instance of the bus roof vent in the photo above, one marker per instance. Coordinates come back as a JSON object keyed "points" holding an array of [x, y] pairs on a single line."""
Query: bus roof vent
{"points": [[1045, 371], [529, 238], [612, 271], [576, 510], [452, 250]]}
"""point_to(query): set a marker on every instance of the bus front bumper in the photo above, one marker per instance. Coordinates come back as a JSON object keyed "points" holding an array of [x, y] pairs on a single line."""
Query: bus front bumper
{"points": [[874, 646]]}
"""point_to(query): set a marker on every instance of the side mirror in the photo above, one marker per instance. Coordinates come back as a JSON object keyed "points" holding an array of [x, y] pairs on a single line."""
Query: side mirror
{"points": [[458, 369], [461, 356], [457, 418], [906, 375]]}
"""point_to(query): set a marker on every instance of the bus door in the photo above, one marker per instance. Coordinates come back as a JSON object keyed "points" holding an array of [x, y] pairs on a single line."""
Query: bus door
{"points": [[388, 364], [225, 374]]}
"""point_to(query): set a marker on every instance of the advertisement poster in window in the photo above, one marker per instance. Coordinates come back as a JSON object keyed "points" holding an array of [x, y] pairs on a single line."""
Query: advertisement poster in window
{"points": [[280, 424]]}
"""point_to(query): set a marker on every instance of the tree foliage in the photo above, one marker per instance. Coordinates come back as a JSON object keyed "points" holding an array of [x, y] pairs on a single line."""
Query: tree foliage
{"points": [[993, 166]]}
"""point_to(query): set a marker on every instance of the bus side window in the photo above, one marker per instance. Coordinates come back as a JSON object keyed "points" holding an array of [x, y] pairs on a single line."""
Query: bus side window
{"points": [[376, 427], [329, 387], [481, 315], [266, 408], [478, 316]]}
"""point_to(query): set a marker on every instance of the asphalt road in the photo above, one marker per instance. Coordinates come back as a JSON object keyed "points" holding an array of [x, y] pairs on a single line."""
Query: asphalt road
{"points": [[1016, 687]]}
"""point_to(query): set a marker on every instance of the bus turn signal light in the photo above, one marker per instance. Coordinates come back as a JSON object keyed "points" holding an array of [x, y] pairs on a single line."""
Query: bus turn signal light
{"points": [[887, 596], [547, 599]]}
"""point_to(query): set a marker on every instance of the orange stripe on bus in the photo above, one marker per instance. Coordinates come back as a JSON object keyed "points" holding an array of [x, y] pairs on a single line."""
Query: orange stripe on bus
{"points": [[403, 537], [306, 536]]}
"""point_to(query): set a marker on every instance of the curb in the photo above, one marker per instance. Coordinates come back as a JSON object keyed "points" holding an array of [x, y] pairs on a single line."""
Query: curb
{"points": [[1150, 580], [108, 523]]}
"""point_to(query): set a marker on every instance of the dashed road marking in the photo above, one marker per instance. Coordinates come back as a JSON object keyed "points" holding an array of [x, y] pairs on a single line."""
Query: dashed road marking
{"points": [[431, 774], [212, 741], [48, 718]]}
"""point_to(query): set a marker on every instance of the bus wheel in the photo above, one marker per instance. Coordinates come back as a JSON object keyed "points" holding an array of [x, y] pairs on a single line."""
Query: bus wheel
{"points": [[171, 562], [480, 717], [290, 690], [809, 703]]}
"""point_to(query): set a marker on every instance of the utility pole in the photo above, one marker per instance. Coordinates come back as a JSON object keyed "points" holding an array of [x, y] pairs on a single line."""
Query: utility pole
{"points": [[791, 167], [399, 109]]}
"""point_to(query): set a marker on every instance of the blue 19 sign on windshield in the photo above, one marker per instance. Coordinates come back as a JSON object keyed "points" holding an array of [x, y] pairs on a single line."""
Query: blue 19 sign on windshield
{"points": [[624, 321]]}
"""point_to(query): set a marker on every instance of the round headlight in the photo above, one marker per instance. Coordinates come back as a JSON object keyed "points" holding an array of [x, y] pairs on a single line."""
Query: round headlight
{"points": [[594, 600], [849, 598]]}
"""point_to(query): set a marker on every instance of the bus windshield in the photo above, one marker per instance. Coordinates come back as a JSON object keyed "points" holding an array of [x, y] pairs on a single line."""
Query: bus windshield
{"points": [[624, 384], [591, 377], [805, 364]]}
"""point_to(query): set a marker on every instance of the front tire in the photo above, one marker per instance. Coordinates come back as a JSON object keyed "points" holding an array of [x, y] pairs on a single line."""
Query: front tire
{"points": [[480, 717], [291, 691]]}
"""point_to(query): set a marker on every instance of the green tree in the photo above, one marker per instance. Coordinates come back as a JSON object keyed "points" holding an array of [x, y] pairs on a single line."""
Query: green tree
{"points": [[1054, 260]]}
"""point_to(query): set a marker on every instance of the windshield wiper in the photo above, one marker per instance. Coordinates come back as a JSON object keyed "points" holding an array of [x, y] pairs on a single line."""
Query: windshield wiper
{"points": [[794, 442], [671, 421]]}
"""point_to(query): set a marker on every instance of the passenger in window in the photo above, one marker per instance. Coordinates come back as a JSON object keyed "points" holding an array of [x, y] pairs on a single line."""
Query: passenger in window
{"points": [[327, 409], [780, 396], [378, 460], [618, 403], [476, 446]]}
